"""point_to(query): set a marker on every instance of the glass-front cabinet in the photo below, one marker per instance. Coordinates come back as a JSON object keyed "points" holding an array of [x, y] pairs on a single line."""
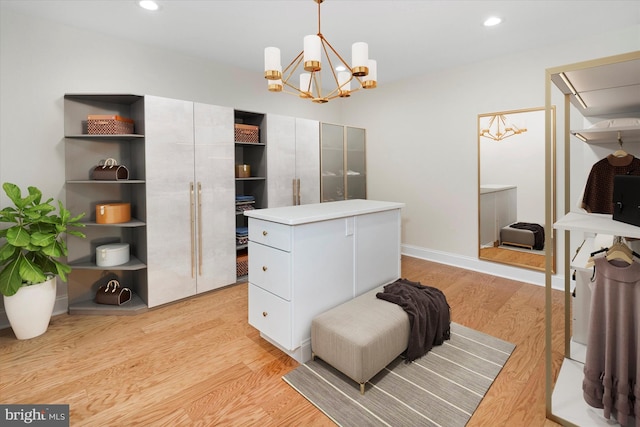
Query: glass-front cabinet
{"points": [[343, 163]]}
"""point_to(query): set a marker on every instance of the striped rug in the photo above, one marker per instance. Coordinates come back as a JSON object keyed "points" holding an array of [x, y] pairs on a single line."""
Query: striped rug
{"points": [[442, 388]]}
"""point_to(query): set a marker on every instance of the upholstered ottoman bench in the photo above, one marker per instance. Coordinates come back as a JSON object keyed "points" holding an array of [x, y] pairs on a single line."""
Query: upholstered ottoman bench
{"points": [[361, 336], [517, 237]]}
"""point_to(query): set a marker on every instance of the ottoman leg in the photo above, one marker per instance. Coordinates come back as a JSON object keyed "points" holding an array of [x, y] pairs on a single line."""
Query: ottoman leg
{"points": [[362, 388]]}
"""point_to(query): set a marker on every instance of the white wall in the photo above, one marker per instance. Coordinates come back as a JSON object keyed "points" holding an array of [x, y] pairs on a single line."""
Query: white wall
{"points": [[422, 144], [421, 132]]}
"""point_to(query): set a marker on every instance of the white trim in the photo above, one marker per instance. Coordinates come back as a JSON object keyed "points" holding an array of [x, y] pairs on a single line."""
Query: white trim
{"points": [[487, 267]]}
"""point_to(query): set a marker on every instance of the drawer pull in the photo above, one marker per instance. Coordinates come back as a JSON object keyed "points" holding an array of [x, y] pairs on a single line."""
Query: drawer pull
{"points": [[264, 314], [264, 232], [264, 268]]}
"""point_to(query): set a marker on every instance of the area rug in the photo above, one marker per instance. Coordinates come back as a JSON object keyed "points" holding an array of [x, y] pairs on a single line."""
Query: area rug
{"points": [[442, 388]]}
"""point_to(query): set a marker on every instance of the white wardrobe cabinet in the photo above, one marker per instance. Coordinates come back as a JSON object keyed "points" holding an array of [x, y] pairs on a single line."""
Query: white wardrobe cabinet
{"points": [[190, 198], [293, 161]]}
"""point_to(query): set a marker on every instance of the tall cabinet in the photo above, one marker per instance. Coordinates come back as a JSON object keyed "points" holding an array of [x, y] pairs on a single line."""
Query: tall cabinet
{"points": [[609, 88], [343, 163], [190, 198], [293, 161], [180, 188]]}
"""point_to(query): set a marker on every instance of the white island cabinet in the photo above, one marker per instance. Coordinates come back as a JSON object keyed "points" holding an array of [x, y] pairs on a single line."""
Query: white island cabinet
{"points": [[304, 260]]}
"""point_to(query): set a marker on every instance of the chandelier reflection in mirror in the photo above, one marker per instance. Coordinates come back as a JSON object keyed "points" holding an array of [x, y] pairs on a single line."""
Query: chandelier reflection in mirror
{"points": [[498, 128], [362, 73]]}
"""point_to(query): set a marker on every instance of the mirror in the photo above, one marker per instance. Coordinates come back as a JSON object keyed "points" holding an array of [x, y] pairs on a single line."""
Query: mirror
{"points": [[511, 176]]}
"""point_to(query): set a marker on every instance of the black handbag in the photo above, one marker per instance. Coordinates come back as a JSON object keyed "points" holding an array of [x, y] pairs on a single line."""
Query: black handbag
{"points": [[626, 199], [110, 170], [113, 294]]}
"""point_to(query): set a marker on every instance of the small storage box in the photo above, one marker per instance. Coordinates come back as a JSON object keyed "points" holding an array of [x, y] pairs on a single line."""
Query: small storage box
{"points": [[247, 133], [243, 171], [113, 213], [108, 124], [112, 254]]}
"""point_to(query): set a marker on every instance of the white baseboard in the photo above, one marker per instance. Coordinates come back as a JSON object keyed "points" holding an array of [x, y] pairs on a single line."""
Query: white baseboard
{"points": [[487, 267]]}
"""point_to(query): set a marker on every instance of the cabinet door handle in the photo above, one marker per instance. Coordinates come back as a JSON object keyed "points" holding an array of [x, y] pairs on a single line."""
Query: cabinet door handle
{"points": [[264, 268], [265, 314], [199, 228], [296, 192], [192, 220], [264, 232]]}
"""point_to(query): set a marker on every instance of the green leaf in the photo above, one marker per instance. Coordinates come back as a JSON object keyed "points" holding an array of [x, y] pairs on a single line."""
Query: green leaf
{"points": [[29, 271], [13, 192], [36, 195], [18, 236], [76, 233], [42, 239], [53, 250], [10, 280], [62, 270], [7, 251]]}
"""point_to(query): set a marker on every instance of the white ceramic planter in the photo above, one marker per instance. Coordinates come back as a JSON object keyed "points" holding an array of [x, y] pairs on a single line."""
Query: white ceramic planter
{"points": [[30, 309]]}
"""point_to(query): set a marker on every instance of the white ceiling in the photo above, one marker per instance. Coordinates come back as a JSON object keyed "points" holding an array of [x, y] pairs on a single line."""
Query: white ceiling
{"points": [[407, 38]]}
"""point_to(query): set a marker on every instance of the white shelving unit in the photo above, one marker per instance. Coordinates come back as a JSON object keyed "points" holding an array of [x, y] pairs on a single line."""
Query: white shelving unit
{"points": [[592, 80]]}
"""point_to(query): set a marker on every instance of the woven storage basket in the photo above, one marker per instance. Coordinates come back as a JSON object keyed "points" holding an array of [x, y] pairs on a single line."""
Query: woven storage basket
{"points": [[247, 133], [100, 124], [242, 265]]}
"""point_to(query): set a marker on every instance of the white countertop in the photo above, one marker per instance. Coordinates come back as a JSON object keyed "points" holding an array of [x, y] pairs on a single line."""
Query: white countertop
{"points": [[303, 214]]}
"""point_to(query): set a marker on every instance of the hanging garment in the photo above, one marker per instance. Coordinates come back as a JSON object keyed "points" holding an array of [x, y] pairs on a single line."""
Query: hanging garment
{"points": [[598, 192], [611, 370]]}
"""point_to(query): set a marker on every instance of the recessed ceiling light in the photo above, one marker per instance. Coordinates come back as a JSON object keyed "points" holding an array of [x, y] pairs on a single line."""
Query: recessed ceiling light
{"points": [[490, 22], [148, 4]]}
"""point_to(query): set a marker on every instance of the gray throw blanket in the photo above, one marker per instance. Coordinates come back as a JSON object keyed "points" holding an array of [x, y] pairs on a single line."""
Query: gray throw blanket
{"points": [[428, 311]]}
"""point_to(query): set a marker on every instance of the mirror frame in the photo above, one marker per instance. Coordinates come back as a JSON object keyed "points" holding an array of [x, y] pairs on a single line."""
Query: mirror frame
{"points": [[551, 197]]}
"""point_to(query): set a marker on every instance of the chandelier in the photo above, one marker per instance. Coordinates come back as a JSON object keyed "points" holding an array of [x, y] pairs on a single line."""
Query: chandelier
{"points": [[498, 129], [361, 74]]}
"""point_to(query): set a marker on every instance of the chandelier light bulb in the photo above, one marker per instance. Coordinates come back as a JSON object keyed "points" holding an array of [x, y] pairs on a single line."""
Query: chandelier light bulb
{"points": [[359, 58], [274, 85], [272, 67], [312, 53], [306, 85], [344, 81], [370, 81]]}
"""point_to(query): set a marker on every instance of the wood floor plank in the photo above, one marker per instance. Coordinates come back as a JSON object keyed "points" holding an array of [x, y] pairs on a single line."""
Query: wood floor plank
{"points": [[199, 363]]}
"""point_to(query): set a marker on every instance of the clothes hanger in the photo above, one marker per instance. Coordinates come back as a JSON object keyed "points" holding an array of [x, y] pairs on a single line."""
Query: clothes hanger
{"points": [[620, 152], [618, 250]]}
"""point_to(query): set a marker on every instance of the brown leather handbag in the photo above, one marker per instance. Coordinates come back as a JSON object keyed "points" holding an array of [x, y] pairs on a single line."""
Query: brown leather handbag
{"points": [[113, 294], [110, 170]]}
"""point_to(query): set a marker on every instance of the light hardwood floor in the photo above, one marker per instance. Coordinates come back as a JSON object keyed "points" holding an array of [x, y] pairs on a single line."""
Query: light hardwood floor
{"points": [[198, 362]]}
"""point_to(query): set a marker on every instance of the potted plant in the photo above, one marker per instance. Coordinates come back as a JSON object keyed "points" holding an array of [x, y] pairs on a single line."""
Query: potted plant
{"points": [[30, 258]]}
